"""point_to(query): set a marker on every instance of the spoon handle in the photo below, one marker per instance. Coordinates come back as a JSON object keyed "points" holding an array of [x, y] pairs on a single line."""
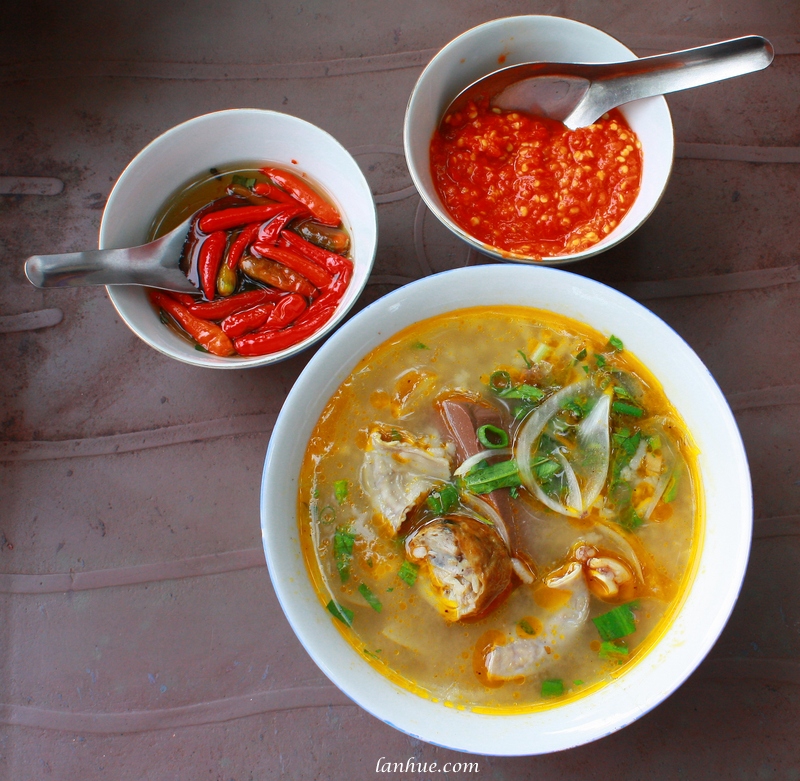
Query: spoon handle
{"points": [[665, 73], [104, 267]]}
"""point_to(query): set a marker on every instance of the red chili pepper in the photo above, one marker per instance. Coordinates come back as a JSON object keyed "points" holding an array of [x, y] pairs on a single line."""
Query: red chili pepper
{"points": [[311, 271], [240, 244], [206, 334], [219, 310], [271, 191], [323, 211], [208, 262], [277, 275], [187, 299], [330, 261], [249, 320], [270, 231], [286, 311], [225, 219], [274, 341]]}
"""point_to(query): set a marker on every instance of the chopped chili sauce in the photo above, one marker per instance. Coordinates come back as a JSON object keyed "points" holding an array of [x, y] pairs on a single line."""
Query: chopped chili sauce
{"points": [[530, 186]]}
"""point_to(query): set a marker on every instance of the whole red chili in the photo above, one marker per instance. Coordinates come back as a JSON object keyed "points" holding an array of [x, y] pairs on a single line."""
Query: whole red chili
{"points": [[222, 308], [225, 219], [206, 334], [208, 262], [286, 257], [241, 323], [270, 231], [274, 341], [286, 311]]}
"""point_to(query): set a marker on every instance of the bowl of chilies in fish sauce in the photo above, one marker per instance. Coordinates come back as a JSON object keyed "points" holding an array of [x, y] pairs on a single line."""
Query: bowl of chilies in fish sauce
{"points": [[520, 187], [280, 244]]}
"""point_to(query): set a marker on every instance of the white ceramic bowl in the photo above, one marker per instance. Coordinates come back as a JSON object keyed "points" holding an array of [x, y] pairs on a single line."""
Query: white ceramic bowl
{"points": [[510, 41], [725, 486], [223, 140]]}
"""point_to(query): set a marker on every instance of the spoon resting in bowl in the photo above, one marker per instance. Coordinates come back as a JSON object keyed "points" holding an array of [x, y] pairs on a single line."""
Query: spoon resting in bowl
{"points": [[156, 264], [578, 94]]}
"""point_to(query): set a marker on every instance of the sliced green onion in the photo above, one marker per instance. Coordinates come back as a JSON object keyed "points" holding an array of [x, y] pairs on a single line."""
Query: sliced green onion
{"points": [[526, 627], [616, 343], [499, 380], [499, 436], [600, 359], [344, 614], [343, 541], [671, 491], [577, 683], [408, 573], [327, 515], [618, 622], [610, 650], [622, 392], [623, 408], [523, 391], [396, 436], [371, 599], [553, 687], [442, 500], [200, 348], [525, 358], [540, 352], [340, 488], [420, 346], [581, 355], [490, 478], [630, 519]]}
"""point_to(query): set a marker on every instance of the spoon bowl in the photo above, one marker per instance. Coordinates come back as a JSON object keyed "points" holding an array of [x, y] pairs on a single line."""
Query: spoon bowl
{"points": [[578, 94], [155, 264]]}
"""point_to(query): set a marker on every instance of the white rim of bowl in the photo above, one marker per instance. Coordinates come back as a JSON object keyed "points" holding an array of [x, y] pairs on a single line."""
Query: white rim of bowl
{"points": [[242, 362], [571, 724]]}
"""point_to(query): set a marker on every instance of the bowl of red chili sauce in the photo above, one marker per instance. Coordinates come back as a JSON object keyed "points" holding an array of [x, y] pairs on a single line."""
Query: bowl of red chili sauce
{"points": [[524, 188], [280, 245]]}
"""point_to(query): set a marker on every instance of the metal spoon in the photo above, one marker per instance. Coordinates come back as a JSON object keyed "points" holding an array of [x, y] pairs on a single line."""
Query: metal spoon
{"points": [[155, 265], [577, 94]]}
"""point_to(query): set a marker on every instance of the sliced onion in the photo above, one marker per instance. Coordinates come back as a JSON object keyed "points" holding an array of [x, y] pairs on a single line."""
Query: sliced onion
{"points": [[483, 508], [594, 442], [467, 464], [670, 460]]}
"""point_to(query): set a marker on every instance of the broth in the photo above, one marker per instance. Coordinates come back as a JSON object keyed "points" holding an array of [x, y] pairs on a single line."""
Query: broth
{"points": [[474, 576]]}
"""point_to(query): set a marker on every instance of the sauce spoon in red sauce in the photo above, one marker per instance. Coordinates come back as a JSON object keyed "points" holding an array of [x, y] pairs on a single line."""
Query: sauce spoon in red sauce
{"points": [[578, 94]]}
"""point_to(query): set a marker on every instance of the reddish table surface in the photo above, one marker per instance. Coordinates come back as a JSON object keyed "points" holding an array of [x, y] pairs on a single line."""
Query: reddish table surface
{"points": [[141, 636]]}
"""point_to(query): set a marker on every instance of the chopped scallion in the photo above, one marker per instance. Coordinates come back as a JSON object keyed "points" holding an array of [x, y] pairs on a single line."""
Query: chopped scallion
{"points": [[600, 360], [618, 622], [612, 650], [623, 408], [490, 478], [526, 627], [492, 437], [525, 358], [408, 573], [370, 598], [343, 541], [340, 489], [499, 381], [442, 500], [552, 688], [345, 615], [616, 343]]}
